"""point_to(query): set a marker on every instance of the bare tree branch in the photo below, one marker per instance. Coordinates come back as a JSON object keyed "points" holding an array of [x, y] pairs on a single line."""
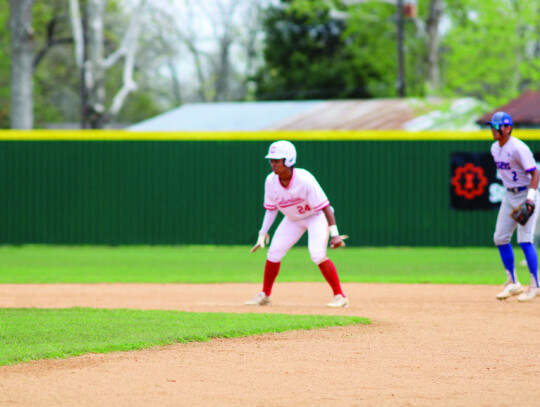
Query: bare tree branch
{"points": [[51, 41], [252, 17]]}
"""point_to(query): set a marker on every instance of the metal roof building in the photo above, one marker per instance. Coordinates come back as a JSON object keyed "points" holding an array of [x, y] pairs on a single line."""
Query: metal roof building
{"points": [[525, 110], [224, 116], [371, 114]]}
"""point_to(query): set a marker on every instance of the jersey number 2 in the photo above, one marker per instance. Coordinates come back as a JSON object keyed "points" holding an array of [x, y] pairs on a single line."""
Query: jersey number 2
{"points": [[303, 209], [515, 175]]}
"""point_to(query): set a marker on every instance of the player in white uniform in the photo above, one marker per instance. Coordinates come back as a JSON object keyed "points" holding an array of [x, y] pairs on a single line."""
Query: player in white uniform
{"points": [[517, 168], [296, 193]]}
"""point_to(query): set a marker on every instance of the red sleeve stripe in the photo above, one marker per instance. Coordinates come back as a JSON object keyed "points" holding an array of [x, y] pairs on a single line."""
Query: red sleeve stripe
{"points": [[270, 207], [322, 206]]}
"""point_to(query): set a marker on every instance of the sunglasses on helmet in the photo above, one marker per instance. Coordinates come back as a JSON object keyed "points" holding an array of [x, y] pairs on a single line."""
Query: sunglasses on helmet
{"points": [[497, 126]]}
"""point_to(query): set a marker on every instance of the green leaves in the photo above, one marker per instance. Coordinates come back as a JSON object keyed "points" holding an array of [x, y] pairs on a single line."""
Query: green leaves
{"points": [[306, 55], [488, 49]]}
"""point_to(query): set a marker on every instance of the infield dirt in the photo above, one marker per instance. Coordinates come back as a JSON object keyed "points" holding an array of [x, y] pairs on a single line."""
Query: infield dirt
{"points": [[428, 345]]}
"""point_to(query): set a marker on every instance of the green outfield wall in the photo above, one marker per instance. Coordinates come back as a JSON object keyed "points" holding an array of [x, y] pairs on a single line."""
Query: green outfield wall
{"points": [[119, 187]]}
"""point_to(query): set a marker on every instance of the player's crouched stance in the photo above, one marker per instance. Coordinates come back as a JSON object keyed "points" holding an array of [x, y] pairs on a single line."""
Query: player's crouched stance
{"points": [[297, 194], [517, 168]]}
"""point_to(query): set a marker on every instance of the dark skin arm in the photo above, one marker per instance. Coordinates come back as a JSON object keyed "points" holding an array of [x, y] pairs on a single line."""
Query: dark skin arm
{"points": [[335, 241], [535, 178]]}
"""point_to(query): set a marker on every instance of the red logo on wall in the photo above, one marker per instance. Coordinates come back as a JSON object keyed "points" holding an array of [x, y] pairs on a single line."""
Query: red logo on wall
{"points": [[469, 181]]}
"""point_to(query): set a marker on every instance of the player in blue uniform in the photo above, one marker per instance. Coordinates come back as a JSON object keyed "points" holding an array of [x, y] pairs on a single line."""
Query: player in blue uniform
{"points": [[517, 168]]}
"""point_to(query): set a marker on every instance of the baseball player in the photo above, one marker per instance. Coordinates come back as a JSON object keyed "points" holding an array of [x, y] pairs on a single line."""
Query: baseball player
{"points": [[517, 168], [296, 193]]}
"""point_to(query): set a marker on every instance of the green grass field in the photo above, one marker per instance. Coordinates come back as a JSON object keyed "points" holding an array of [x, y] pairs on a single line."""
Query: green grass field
{"points": [[234, 264], [28, 334]]}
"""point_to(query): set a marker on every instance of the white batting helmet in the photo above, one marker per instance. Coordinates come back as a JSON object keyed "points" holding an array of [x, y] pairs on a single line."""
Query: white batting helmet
{"points": [[283, 149]]}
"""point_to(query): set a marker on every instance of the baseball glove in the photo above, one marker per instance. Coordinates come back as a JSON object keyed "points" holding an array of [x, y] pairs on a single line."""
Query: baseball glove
{"points": [[522, 213]]}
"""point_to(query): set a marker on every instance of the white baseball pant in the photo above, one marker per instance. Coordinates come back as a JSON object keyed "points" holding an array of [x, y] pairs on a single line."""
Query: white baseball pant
{"points": [[506, 225], [290, 231]]}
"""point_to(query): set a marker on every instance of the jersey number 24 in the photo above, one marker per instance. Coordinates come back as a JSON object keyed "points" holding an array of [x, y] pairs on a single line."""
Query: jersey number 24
{"points": [[303, 209]]}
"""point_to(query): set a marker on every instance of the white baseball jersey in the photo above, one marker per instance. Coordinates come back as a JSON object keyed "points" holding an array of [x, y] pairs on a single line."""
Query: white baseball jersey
{"points": [[514, 161], [302, 198]]}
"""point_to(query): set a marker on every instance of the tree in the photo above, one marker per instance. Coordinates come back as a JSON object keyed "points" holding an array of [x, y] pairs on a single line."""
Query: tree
{"points": [[88, 34], [491, 50], [5, 69], [56, 82], [307, 55], [208, 49], [406, 49], [433, 45], [223, 45], [372, 33], [22, 55], [251, 40]]}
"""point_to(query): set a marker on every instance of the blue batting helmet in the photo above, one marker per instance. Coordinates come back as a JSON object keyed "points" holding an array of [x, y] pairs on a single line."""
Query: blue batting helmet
{"points": [[501, 118]]}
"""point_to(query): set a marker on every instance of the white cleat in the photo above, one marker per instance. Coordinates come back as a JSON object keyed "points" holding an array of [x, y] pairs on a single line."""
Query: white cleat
{"points": [[338, 301], [260, 299], [529, 294], [509, 290]]}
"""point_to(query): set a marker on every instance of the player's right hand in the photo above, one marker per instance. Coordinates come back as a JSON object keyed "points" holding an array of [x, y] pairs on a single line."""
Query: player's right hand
{"points": [[263, 238], [338, 241]]}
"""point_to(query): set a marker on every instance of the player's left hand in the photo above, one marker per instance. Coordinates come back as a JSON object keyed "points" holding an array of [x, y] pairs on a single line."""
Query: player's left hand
{"points": [[523, 212], [338, 241]]}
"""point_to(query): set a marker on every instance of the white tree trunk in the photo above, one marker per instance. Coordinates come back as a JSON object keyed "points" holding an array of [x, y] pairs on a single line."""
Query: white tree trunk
{"points": [[94, 68], [93, 63], [22, 58], [129, 49], [76, 26]]}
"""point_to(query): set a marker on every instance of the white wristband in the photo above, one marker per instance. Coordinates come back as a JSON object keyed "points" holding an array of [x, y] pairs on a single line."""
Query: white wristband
{"points": [[333, 231], [531, 194]]}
